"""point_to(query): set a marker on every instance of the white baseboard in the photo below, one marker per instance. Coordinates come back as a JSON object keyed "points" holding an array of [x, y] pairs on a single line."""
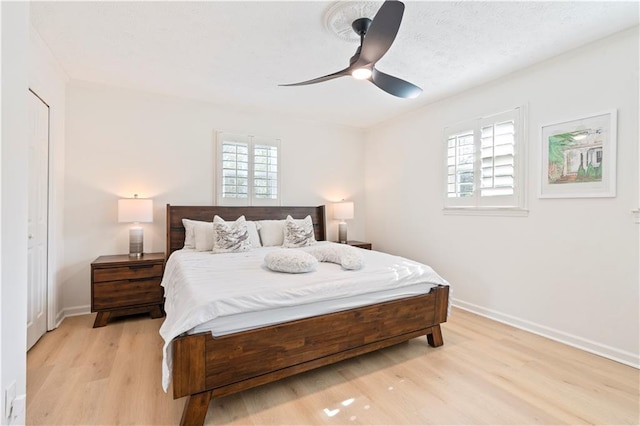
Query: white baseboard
{"points": [[72, 312], [609, 352], [59, 318]]}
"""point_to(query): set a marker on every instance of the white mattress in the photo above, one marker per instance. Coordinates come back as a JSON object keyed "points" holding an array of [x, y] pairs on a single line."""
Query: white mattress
{"points": [[232, 292]]}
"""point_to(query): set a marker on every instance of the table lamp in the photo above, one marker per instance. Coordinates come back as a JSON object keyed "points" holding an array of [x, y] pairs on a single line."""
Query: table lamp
{"points": [[135, 210], [343, 211]]}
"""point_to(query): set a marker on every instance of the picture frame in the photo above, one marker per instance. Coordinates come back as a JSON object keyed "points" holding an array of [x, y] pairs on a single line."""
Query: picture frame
{"points": [[579, 157]]}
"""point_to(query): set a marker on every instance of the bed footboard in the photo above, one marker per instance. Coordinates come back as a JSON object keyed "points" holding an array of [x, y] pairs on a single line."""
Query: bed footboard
{"points": [[204, 366]]}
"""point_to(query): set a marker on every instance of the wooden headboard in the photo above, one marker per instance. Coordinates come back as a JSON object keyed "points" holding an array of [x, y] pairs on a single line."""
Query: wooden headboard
{"points": [[175, 214]]}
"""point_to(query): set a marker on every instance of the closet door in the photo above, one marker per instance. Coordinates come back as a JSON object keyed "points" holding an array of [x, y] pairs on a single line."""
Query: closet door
{"points": [[38, 219]]}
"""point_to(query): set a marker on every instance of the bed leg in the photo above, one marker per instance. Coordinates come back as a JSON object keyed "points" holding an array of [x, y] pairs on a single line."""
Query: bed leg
{"points": [[435, 336], [195, 409]]}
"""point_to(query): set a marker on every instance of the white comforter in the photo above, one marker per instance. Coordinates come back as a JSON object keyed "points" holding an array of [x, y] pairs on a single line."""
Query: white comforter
{"points": [[201, 286]]}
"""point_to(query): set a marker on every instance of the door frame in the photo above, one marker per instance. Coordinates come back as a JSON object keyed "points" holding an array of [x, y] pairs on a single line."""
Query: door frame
{"points": [[52, 320]]}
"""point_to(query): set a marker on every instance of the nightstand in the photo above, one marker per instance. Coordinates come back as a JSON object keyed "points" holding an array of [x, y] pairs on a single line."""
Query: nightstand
{"points": [[359, 244], [124, 285]]}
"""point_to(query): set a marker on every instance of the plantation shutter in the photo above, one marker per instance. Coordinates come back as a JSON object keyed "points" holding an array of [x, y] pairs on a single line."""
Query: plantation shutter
{"points": [[248, 171], [498, 158], [265, 171], [497, 162], [235, 169], [460, 164], [483, 163]]}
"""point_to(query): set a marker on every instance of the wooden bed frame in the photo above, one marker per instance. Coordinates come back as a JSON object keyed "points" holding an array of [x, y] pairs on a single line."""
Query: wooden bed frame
{"points": [[206, 366]]}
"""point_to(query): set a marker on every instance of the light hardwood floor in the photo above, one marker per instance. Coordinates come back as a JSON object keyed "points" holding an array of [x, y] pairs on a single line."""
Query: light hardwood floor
{"points": [[486, 373]]}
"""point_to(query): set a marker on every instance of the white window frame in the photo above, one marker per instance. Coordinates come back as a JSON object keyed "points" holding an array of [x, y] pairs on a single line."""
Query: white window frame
{"points": [[251, 141], [476, 204]]}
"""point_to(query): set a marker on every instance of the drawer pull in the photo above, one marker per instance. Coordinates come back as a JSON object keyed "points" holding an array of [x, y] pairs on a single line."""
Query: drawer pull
{"points": [[140, 266], [133, 280]]}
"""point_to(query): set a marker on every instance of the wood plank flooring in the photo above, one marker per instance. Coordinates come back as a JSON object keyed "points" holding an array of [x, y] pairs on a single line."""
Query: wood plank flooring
{"points": [[486, 373]]}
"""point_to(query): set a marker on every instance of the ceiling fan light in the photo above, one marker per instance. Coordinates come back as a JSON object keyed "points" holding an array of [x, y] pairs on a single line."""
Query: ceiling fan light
{"points": [[361, 73]]}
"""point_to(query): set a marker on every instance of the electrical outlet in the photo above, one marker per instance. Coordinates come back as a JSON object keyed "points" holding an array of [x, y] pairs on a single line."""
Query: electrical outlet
{"points": [[18, 405], [9, 397]]}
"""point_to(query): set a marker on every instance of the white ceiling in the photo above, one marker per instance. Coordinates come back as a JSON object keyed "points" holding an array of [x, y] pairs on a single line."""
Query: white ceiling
{"points": [[236, 53]]}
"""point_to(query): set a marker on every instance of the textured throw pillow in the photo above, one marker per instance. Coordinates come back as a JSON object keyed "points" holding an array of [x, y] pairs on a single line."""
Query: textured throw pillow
{"points": [[230, 237], [298, 233], [290, 261], [203, 235], [348, 257], [271, 232]]}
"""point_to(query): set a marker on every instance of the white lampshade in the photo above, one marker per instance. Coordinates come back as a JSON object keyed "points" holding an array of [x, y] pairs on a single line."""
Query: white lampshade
{"points": [[343, 210], [135, 210]]}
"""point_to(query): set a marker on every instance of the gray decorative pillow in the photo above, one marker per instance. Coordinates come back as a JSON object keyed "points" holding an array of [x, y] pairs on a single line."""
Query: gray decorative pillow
{"points": [[290, 261], [298, 233], [230, 237]]}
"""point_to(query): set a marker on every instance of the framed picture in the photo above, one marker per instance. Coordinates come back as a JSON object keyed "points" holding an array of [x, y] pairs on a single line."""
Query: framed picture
{"points": [[579, 157]]}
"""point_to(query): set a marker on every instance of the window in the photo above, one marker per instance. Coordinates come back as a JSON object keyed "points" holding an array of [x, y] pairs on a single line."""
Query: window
{"points": [[248, 171], [485, 160]]}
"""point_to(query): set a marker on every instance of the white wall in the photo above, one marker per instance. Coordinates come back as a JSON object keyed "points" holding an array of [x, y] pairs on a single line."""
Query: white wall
{"points": [[48, 81], [120, 142], [570, 269], [13, 199]]}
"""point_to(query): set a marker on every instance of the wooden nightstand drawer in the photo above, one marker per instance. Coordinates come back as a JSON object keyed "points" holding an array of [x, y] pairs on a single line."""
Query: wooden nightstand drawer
{"points": [[121, 294], [127, 272]]}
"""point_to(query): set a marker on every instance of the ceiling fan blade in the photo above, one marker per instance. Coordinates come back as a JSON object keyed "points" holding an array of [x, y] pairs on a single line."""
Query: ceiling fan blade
{"points": [[394, 85], [342, 73], [382, 31]]}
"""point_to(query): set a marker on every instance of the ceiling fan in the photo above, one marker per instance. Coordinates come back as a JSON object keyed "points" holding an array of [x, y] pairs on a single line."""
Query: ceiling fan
{"points": [[376, 37]]}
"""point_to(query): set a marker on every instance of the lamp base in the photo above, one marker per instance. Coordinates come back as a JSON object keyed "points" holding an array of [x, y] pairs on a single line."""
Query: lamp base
{"points": [[342, 232], [136, 241]]}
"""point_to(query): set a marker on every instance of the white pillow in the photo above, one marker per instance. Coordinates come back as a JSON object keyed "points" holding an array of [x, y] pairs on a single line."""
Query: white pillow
{"points": [[203, 235], [189, 233], [230, 237], [271, 232], [290, 261], [252, 227], [298, 233], [348, 257]]}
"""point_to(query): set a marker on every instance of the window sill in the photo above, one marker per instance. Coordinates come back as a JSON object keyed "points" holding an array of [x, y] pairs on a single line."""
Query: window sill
{"points": [[486, 211]]}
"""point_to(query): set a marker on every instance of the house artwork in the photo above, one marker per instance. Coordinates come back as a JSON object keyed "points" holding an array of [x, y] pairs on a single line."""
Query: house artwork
{"points": [[576, 156]]}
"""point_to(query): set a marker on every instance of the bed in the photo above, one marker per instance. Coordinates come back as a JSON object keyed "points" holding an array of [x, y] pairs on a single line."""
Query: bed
{"points": [[204, 366]]}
